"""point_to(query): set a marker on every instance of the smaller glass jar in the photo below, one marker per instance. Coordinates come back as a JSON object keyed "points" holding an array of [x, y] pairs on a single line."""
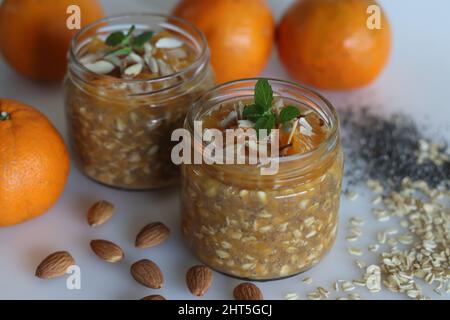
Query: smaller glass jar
{"points": [[120, 128], [263, 227]]}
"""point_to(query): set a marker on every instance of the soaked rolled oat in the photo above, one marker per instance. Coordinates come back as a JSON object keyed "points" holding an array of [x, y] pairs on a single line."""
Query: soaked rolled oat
{"points": [[127, 90], [266, 227]]}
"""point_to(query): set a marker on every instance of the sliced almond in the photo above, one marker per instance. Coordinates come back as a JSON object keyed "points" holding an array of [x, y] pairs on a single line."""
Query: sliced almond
{"points": [[89, 58], [152, 235], [106, 250], [199, 280], [149, 49], [134, 70], [168, 43], [115, 61], [55, 265], [247, 291], [154, 297], [178, 53], [164, 68], [152, 64], [100, 213], [148, 274], [246, 124], [100, 67], [136, 58]]}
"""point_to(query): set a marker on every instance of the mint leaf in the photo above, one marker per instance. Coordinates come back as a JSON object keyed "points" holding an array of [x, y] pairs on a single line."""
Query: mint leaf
{"points": [[263, 94], [253, 112], [127, 38], [131, 30], [140, 40], [115, 38], [289, 113], [266, 122], [119, 52]]}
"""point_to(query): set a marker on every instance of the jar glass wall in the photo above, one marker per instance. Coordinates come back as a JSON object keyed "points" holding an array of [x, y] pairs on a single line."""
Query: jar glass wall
{"points": [[120, 128], [259, 227]]}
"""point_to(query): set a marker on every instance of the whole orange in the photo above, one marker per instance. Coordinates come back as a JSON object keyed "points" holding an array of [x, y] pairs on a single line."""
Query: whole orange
{"points": [[34, 37], [34, 163], [240, 34], [328, 44]]}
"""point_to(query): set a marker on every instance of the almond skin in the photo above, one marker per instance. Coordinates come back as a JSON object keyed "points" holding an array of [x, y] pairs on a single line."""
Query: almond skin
{"points": [[247, 291], [153, 297], [199, 280], [55, 265], [107, 250], [148, 274], [100, 213], [152, 235]]}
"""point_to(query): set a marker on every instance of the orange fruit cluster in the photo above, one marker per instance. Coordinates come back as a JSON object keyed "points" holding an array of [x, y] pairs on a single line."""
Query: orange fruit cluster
{"points": [[324, 43]]}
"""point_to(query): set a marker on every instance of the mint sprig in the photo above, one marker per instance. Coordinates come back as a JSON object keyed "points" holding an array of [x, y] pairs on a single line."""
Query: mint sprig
{"points": [[120, 52], [289, 113], [261, 112], [139, 41], [264, 94], [125, 43], [115, 39]]}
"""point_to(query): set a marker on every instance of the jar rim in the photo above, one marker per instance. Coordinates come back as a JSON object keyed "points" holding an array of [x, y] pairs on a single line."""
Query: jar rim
{"points": [[200, 59], [326, 106]]}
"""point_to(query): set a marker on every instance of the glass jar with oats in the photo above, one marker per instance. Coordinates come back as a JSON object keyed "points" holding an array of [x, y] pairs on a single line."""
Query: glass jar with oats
{"points": [[264, 226], [130, 82]]}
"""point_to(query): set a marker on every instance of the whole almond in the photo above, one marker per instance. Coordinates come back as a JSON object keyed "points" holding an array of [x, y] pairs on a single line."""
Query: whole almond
{"points": [[107, 250], [153, 297], [55, 265], [100, 213], [152, 235], [247, 291], [148, 274], [199, 280]]}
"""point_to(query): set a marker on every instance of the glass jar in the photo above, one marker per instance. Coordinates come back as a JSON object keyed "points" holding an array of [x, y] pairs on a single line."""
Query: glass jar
{"points": [[120, 129], [263, 227]]}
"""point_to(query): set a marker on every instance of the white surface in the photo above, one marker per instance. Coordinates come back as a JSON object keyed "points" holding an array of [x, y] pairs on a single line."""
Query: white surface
{"points": [[417, 80]]}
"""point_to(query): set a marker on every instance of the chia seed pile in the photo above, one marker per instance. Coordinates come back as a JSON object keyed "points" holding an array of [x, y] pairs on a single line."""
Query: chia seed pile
{"points": [[390, 149], [408, 175]]}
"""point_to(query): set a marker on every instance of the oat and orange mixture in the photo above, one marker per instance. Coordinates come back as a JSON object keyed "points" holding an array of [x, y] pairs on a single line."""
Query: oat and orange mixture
{"points": [[266, 227], [126, 92]]}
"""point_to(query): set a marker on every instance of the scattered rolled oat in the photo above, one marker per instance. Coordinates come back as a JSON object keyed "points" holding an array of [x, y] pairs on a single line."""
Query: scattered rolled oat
{"points": [[361, 264], [314, 296], [324, 292], [352, 196], [355, 251], [352, 238], [357, 222], [291, 296], [347, 286], [359, 283], [336, 286], [308, 280], [354, 296]]}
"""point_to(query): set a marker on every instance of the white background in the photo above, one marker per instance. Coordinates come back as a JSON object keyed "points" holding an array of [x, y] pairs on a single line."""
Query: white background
{"points": [[416, 81]]}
